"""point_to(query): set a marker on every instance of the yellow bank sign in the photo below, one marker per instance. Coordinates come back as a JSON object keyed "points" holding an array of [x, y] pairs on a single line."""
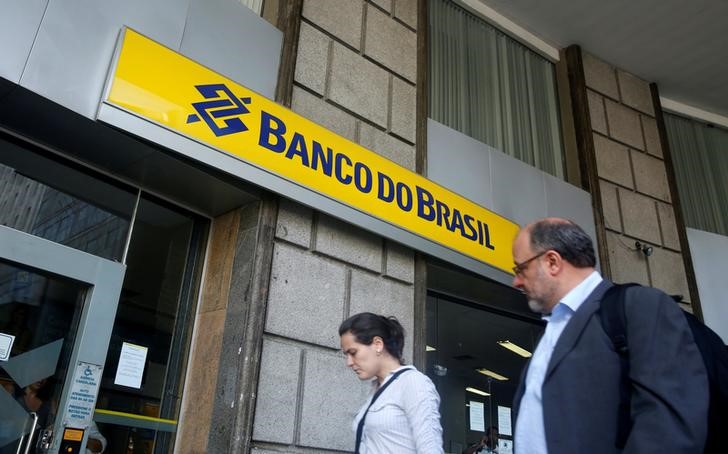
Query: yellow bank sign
{"points": [[171, 90]]}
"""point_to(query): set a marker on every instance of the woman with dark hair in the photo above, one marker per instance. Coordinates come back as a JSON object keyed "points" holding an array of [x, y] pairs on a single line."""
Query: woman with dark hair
{"points": [[402, 413]]}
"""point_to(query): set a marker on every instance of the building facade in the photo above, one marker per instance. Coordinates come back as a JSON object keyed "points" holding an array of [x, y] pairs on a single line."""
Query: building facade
{"points": [[181, 290]]}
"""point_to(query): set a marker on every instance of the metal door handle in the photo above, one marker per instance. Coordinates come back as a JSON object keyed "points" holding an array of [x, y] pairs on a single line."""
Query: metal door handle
{"points": [[20, 444], [22, 438], [32, 432]]}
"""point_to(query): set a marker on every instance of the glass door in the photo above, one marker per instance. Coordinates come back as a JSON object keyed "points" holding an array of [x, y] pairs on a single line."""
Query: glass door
{"points": [[57, 308]]}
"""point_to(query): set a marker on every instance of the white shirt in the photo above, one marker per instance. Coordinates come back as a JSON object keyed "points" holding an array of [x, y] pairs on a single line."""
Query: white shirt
{"points": [[530, 434], [404, 419]]}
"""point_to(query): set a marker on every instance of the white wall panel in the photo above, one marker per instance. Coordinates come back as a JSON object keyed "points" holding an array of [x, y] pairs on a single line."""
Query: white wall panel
{"points": [[710, 260]]}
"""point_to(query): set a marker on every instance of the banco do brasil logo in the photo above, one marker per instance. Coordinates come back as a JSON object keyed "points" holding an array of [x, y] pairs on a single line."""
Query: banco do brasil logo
{"points": [[221, 105]]}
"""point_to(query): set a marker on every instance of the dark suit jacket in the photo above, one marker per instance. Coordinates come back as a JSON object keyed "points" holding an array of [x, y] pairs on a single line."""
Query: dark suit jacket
{"points": [[581, 386]]}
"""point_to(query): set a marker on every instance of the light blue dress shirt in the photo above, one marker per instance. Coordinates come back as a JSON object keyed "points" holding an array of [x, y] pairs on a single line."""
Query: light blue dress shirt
{"points": [[530, 437]]}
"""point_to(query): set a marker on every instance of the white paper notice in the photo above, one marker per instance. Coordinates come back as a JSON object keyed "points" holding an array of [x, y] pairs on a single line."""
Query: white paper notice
{"points": [[6, 344], [504, 420], [477, 416], [131, 365]]}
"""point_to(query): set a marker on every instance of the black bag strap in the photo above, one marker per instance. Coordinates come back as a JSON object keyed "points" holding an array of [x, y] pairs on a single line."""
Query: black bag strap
{"points": [[360, 427], [614, 322]]}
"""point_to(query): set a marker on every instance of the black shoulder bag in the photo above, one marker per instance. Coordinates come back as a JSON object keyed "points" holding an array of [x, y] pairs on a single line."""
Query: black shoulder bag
{"points": [[713, 353], [614, 322], [360, 427]]}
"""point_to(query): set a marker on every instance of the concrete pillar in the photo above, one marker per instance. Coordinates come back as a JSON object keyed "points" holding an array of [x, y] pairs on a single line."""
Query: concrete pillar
{"points": [[632, 180]]}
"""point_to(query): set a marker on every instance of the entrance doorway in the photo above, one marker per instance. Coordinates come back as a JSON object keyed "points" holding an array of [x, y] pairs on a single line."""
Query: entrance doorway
{"points": [[91, 264], [475, 358], [57, 307], [480, 335]]}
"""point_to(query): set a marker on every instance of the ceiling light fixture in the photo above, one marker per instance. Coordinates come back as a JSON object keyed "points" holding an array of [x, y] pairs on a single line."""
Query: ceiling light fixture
{"points": [[492, 374], [476, 391], [430, 349], [518, 350]]}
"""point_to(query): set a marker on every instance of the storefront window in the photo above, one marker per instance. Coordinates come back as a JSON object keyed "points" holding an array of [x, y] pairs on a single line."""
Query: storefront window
{"points": [[138, 405], [700, 154], [41, 196], [475, 356], [492, 88]]}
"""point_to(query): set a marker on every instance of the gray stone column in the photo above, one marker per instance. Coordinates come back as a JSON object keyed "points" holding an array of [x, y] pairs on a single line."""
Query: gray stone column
{"points": [[633, 183], [355, 74]]}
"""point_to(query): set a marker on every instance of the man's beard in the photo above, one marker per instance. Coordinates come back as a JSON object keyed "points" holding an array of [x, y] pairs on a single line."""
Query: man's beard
{"points": [[536, 305], [539, 295]]}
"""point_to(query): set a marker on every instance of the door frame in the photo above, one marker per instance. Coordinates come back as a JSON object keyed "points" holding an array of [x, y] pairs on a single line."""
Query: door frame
{"points": [[104, 279]]}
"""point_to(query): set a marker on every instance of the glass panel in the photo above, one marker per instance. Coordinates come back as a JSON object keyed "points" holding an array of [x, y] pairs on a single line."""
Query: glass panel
{"points": [[463, 339], [40, 314], [700, 155], [151, 314], [41, 196], [492, 88]]}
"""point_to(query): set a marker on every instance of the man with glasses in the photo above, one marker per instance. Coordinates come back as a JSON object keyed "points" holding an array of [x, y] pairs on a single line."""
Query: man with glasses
{"points": [[568, 398]]}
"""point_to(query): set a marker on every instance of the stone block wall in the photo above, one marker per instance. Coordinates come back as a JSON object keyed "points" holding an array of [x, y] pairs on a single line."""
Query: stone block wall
{"points": [[636, 199], [355, 74]]}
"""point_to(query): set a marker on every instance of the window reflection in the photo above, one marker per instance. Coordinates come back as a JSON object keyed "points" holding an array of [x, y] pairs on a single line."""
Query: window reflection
{"points": [[76, 209]]}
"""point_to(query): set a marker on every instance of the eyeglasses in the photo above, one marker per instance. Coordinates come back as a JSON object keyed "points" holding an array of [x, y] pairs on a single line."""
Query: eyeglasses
{"points": [[521, 267]]}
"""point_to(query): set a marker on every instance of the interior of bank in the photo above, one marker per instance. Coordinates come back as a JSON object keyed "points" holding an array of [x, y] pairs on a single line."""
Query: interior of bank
{"points": [[480, 334]]}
